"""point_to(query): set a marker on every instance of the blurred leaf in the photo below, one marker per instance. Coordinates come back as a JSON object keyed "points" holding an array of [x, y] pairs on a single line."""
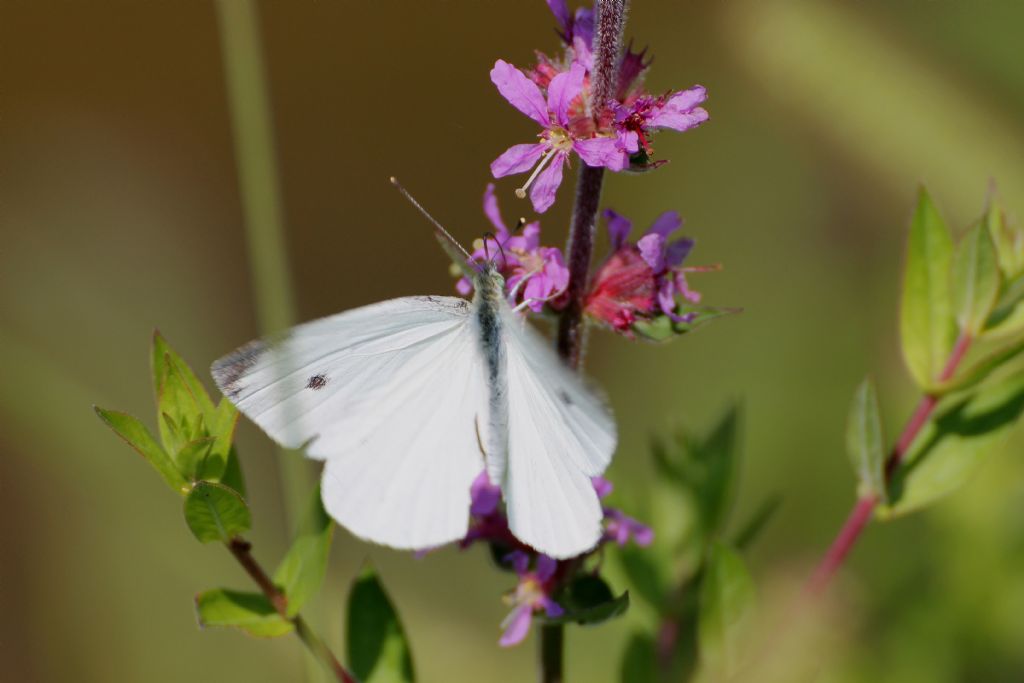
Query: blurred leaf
{"points": [[952, 446], [1008, 241], [926, 320], [985, 357], [377, 648], [726, 602], [216, 513], [750, 531], [302, 570], [233, 477], [975, 279], [644, 575], [250, 612], [864, 441], [662, 328], [718, 452], [639, 660], [589, 600], [139, 438]]}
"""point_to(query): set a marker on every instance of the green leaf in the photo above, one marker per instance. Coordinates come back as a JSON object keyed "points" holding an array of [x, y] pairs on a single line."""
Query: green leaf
{"points": [[302, 570], [182, 401], [164, 358], [952, 445], [639, 660], [222, 429], [233, 477], [1008, 241], [216, 513], [589, 600], [250, 612], [662, 328], [644, 575], [139, 438], [377, 648], [864, 441], [726, 602], [985, 357], [192, 456], [976, 279], [752, 529], [927, 327]]}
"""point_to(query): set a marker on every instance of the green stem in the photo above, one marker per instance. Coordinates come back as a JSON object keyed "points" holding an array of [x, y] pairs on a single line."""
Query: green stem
{"points": [[252, 129], [242, 551]]}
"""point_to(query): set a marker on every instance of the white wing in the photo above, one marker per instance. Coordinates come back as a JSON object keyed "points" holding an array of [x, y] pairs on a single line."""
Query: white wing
{"points": [[388, 396], [559, 436]]}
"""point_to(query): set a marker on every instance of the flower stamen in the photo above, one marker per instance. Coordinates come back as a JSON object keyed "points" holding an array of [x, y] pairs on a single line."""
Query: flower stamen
{"points": [[521, 191]]}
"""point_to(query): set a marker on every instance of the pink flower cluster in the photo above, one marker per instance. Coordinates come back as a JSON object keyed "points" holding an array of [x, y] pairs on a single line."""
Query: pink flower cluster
{"points": [[556, 94]]}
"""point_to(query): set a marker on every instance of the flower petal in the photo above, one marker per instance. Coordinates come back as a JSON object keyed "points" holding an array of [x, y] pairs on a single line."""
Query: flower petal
{"points": [[681, 112], [542, 192], [484, 496], [492, 212], [561, 12], [676, 252], [517, 159], [563, 89], [665, 224], [551, 608], [602, 486], [652, 248], [517, 625], [520, 91], [667, 296], [601, 151], [463, 286], [618, 228]]}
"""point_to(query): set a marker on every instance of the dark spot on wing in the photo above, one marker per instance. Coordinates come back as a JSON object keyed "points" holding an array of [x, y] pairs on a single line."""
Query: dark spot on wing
{"points": [[317, 382], [564, 395], [453, 304], [231, 368]]}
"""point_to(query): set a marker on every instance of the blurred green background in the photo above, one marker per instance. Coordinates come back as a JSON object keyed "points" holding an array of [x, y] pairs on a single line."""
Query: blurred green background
{"points": [[120, 211]]}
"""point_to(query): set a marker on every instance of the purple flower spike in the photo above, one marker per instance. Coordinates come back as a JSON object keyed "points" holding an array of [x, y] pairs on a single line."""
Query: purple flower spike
{"points": [[559, 136], [635, 122], [534, 273]]}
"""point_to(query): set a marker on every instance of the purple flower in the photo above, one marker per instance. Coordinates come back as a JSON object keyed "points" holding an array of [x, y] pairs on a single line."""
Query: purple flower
{"points": [[532, 273], [664, 258], [559, 136], [635, 122], [620, 528], [532, 594], [602, 486]]}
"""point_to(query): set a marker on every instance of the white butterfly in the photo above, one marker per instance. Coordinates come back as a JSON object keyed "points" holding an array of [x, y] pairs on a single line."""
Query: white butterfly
{"points": [[407, 400]]}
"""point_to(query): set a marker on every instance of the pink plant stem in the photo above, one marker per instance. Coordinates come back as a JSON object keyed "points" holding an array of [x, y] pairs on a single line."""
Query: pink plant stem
{"points": [[865, 505]]}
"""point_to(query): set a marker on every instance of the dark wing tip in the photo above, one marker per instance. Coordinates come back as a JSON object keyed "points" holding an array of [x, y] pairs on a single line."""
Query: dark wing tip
{"points": [[227, 371]]}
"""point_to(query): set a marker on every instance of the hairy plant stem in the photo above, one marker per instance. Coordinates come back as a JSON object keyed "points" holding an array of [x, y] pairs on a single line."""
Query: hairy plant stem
{"points": [[256, 162], [861, 514], [611, 23], [242, 551]]}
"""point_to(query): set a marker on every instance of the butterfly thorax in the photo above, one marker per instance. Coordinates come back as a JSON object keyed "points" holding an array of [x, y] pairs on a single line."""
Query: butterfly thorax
{"points": [[488, 300]]}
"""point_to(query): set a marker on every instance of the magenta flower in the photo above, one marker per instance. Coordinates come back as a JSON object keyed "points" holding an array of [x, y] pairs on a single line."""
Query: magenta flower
{"points": [[621, 528], [484, 496], [560, 136], [635, 122], [534, 274], [532, 594]]}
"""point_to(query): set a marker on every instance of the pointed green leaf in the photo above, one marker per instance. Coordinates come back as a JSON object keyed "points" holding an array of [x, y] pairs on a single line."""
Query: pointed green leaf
{"points": [[726, 603], [222, 430], [985, 357], [589, 600], [976, 279], [250, 612], [927, 327], [182, 402], [644, 574], [192, 456], [952, 446], [164, 358], [216, 513], [302, 570], [139, 438], [864, 441], [639, 660], [663, 328], [1008, 241], [377, 648], [752, 529]]}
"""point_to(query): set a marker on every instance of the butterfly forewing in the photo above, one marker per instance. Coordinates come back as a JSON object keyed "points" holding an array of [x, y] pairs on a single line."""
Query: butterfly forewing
{"points": [[388, 395]]}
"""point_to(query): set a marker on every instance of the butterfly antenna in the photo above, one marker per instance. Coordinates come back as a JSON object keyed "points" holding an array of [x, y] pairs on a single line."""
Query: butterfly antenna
{"points": [[501, 248], [440, 228]]}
